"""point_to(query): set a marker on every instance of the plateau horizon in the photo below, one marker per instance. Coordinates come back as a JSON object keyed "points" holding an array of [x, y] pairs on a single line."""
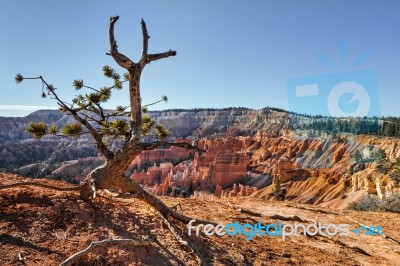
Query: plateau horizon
{"points": [[25, 110], [217, 64]]}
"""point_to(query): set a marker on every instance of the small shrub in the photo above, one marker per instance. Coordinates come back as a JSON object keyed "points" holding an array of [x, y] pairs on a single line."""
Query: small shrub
{"points": [[395, 174], [398, 161], [367, 203], [351, 170], [357, 156], [380, 156], [373, 203], [384, 169], [392, 203]]}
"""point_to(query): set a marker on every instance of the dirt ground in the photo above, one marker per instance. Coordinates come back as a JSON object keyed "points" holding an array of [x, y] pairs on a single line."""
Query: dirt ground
{"points": [[40, 226]]}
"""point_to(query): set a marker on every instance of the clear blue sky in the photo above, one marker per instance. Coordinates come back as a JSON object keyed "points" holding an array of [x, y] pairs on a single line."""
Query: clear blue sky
{"points": [[229, 53]]}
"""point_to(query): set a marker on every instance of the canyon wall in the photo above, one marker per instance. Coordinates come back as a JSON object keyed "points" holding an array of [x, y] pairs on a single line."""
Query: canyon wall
{"points": [[246, 150], [311, 170]]}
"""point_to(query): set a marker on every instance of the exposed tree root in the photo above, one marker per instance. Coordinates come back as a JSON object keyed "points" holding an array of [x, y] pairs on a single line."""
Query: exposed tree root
{"points": [[21, 184], [104, 243], [178, 216], [179, 239]]}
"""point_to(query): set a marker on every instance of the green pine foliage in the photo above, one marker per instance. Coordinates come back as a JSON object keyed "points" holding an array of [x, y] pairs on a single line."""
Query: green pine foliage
{"points": [[357, 156], [72, 130], [147, 124], [342, 125], [380, 156], [78, 84], [120, 125], [277, 186], [162, 132], [38, 130], [53, 129], [19, 78]]}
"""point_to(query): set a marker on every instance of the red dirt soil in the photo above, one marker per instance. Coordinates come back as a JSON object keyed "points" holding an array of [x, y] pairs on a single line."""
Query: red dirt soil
{"points": [[44, 227]]}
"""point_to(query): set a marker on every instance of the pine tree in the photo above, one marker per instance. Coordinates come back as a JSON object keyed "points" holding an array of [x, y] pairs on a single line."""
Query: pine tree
{"points": [[106, 126], [277, 186], [380, 156], [357, 156]]}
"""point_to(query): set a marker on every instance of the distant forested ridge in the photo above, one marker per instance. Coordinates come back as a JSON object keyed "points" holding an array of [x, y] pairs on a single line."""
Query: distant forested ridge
{"points": [[382, 126]]}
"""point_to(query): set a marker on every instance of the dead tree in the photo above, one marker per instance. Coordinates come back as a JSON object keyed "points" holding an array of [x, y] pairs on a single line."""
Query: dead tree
{"points": [[105, 126]]}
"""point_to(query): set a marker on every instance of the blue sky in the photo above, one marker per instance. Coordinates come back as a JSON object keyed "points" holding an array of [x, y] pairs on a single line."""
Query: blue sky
{"points": [[229, 53]]}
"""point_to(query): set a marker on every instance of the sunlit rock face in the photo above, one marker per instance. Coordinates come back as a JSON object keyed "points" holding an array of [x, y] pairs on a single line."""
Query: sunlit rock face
{"points": [[246, 166], [246, 150], [18, 148], [224, 164]]}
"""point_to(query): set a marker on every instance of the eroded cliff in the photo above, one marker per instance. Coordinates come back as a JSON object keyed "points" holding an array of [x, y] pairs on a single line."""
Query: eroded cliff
{"points": [[246, 150]]}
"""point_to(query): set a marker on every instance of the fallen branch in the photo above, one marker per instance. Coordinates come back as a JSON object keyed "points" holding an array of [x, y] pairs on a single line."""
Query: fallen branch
{"points": [[21, 184], [290, 218], [104, 243], [178, 238], [21, 257], [275, 216], [246, 211], [382, 234], [310, 209], [238, 218], [343, 244], [186, 219], [175, 207], [174, 214], [355, 248], [299, 219]]}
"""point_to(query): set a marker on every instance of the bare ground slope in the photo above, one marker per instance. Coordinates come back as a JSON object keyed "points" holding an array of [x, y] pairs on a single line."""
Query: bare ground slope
{"points": [[40, 226]]}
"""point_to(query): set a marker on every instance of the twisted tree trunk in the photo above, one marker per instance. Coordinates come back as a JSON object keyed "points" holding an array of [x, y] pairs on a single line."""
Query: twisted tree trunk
{"points": [[134, 92], [111, 175]]}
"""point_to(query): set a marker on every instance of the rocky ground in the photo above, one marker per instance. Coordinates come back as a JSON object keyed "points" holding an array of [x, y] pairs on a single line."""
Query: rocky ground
{"points": [[40, 226]]}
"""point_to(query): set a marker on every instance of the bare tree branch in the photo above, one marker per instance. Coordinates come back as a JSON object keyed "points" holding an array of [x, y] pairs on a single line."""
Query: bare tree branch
{"points": [[135, 71], [104, 243], [179, 238], [154, 57], [95, 135], [103, 118], [162, 100], [158, 144], [21, 184], [90, 118], [91, 88], [274, 216], [121, 59], [145, 39]]}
